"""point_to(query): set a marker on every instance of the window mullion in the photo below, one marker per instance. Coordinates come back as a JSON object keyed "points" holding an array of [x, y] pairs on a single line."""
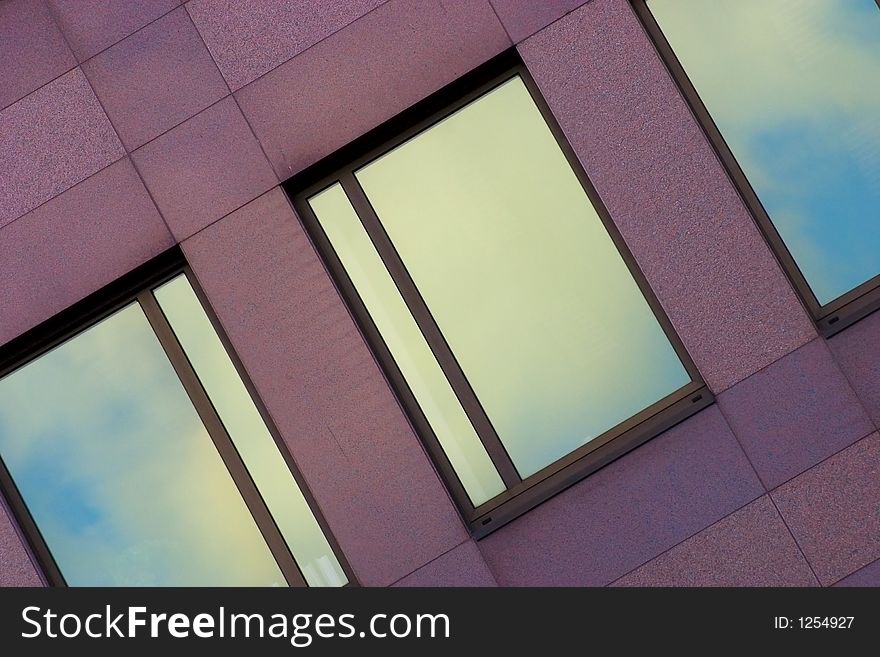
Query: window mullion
{"points": [[225, 447], [430, 331], [39, 549]]}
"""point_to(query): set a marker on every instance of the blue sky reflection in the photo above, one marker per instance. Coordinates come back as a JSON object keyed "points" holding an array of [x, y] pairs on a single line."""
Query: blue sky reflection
{"points": [[794, 87], [118, 471]]}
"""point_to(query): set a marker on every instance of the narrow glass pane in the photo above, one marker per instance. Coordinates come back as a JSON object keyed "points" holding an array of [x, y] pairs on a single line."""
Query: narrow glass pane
{"points": [[522, 278], [249, 433], [118, 471], [407, 345], [794, 88]]}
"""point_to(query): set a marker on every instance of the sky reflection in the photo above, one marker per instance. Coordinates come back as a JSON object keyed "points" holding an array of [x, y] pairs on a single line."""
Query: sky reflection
{"points": [[521, 276], [794, 87], [118, 471]]}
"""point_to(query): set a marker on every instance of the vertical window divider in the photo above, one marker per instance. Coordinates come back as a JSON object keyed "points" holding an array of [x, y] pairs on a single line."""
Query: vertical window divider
{"points": [[520, 494], [386, 361], [221, 439], [429, 329]]}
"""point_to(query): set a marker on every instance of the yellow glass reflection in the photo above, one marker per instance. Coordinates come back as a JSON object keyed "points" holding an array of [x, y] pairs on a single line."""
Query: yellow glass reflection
{"points": [[406, 344], [119, 473], [249, 433], [522, 277]]}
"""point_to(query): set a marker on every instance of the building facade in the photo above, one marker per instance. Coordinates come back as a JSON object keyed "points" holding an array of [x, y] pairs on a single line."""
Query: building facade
{"points": [[131, 131]]}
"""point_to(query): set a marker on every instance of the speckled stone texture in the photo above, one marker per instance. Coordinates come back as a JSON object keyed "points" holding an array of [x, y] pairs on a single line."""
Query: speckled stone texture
{"points": [[522, 18], [250, 39], [795, 413], [32, 49], [461, 566], [335, 411], [75, 244], [832, 510], [867, 576], [155, 79], [630, 511], [689, 231], [93, 25], [366, 73], [49, 141], [16, 568], [687, 508], [204, 168], [750, 547], [857, 351]]}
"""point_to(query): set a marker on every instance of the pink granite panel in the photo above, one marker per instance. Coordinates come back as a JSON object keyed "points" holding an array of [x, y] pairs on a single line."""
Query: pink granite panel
{"points": [[794, 413], [32, 49], [833, 510], [204, 168], [16, 568], [250, 39], [461, 566], [93, 25], [867, 576], [155, 79], [857, 352], [750, 547], [365, 74], [522, 18], [51, 140], [368, 471], [75, 244], [628, 512]]}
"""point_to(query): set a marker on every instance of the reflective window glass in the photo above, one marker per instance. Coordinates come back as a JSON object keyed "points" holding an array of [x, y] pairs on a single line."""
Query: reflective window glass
{"points": [[794, 88], [521, 276]]}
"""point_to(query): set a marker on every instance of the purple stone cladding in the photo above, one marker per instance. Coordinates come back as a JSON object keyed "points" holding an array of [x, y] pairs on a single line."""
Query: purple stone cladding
{"points": [[127, 128]]}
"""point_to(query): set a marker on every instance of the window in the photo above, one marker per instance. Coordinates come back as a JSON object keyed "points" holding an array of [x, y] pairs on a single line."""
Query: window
{"points": [[789, 93], [504, 307], [133, 454]]}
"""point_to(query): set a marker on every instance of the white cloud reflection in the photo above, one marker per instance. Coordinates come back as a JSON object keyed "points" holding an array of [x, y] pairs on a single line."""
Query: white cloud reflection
{"points": [[118, 471], [794, 86]]}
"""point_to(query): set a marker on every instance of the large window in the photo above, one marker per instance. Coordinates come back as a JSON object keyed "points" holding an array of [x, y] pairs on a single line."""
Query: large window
{"points": [[504, 307], [789, 91], [134, 454]]}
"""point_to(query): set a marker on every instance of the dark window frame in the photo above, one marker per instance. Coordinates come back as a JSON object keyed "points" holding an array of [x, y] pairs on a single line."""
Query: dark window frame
{"points": [[830, 318], [137, 287], [520, 495]]}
